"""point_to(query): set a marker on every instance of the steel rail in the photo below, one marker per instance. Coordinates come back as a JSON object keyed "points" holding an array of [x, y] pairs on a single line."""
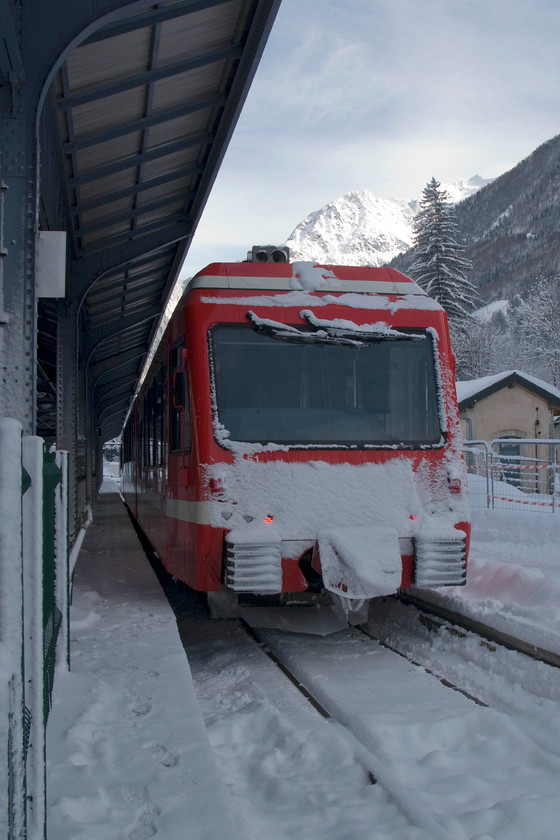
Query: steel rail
{"points": [[284, 668], [377, 770], [445, 682], [491, 634]]}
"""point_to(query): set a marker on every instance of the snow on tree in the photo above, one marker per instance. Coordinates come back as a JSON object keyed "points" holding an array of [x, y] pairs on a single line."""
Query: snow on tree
{"points": [[539, 328], [482, 348], [112, 450], [439, 267]]}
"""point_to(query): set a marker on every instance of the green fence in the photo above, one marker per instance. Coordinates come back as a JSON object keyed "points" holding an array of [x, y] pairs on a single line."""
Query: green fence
{"points": [[52, 614]]}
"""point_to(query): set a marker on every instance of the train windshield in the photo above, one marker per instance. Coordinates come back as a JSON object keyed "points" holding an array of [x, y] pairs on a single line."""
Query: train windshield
{"points": [[300, 392]]}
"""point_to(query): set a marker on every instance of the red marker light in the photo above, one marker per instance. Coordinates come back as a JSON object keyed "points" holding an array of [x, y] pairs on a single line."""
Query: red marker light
{"points": [[268, 519], [412, 517]]}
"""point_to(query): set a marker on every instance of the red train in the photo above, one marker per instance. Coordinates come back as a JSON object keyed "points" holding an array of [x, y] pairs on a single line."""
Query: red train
{"points": [[298, 431]]}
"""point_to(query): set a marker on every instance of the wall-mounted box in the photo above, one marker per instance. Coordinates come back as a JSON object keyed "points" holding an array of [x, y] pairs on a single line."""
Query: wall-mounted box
{"points": [[50, 265]]}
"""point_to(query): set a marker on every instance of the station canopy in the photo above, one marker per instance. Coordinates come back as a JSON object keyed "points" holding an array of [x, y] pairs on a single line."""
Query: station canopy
{"points": [[139, 117]]}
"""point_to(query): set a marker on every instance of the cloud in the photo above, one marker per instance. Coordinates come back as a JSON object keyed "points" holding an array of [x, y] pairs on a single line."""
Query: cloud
{"points": [[387, 64], [381, 95]]}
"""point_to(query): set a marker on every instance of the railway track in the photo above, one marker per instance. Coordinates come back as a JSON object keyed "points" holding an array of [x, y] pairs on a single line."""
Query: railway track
{"points": [[377, 767], [385, 700], [442, 617], [435, 618], [425, 753], [259, 714], [443, 680], [286, 670]]}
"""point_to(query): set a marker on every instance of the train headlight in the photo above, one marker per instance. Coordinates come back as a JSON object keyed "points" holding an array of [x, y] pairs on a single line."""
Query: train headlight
{"points": [[217, 486], [269, 253], [454, 480], [218, 489]]}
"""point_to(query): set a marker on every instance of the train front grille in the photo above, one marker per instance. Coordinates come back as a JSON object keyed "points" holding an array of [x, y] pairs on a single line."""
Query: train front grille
{"points": [[254, 567], [441, 562]]}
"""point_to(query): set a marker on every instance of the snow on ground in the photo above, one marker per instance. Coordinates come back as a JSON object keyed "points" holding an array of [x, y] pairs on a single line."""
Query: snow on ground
{"points": [[127, 751], [129, 757], [458, 770], [290, 772], [513, 576]]}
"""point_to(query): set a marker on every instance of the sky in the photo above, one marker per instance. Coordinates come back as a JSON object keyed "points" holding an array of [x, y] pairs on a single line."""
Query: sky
{"points": [[380, 95]]}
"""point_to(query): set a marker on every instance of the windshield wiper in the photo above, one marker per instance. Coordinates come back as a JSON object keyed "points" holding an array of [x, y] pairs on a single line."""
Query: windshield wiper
{"points": [[329, 332], [275, 329]]}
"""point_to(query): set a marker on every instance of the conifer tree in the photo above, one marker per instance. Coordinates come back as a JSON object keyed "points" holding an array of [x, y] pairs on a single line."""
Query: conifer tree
{"points": [[439, 267]]}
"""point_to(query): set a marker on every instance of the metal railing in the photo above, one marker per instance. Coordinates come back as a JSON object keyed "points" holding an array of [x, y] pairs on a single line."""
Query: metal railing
{"points": [[514, 473]]}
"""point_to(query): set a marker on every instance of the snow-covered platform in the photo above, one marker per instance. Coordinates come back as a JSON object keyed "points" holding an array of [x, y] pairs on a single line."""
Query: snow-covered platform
{"points": [[129, 757], [128, 753]]}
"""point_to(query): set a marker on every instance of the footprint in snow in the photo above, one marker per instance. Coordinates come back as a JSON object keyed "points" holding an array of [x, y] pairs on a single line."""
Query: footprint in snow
{"points": [[140, 706], [169, 758], [144, 825]]}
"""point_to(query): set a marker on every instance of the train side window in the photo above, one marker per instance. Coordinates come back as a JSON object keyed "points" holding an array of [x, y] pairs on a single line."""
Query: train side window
{"points": [[127, 443], [146, 431], [179, 414], [158, 402], [151, 426], [153, 422]]}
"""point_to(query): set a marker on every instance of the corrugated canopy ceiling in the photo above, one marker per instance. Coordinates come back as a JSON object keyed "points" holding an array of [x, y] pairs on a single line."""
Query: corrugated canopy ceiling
{"points": [[144, 110]]}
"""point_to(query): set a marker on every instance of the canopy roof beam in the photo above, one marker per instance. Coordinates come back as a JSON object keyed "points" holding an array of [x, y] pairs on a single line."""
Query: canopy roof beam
{"points": [[150, 76], [147, 157], [155, 118], [158, 15]]}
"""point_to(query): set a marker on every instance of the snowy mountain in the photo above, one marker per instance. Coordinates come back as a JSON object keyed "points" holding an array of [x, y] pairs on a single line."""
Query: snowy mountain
{"points": [[361, 229], [356, 229], [464, 189], [511, 228]]}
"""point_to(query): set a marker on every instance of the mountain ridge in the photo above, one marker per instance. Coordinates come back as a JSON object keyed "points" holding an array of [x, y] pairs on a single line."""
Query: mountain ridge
{"points": [[357, 228], [360, 228], [509, 226]]}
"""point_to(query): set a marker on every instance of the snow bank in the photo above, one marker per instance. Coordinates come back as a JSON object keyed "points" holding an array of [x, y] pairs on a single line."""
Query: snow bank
{"points": [[513, 579]]}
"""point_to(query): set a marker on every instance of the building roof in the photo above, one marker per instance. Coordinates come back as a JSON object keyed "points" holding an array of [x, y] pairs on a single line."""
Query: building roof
{"points": [[472, 391]]}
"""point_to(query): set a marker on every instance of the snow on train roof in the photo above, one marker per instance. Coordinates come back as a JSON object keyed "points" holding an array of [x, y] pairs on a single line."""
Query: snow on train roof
{"points": [[359, 287], [304, 276]]}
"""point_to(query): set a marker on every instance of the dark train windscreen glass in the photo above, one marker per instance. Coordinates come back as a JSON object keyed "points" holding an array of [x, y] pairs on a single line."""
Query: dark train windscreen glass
{"points": [[318, 390]]}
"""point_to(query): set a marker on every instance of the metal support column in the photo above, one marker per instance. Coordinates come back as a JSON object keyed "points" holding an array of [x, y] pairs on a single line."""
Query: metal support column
{"points": [[66, 404], [18, 182]]}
